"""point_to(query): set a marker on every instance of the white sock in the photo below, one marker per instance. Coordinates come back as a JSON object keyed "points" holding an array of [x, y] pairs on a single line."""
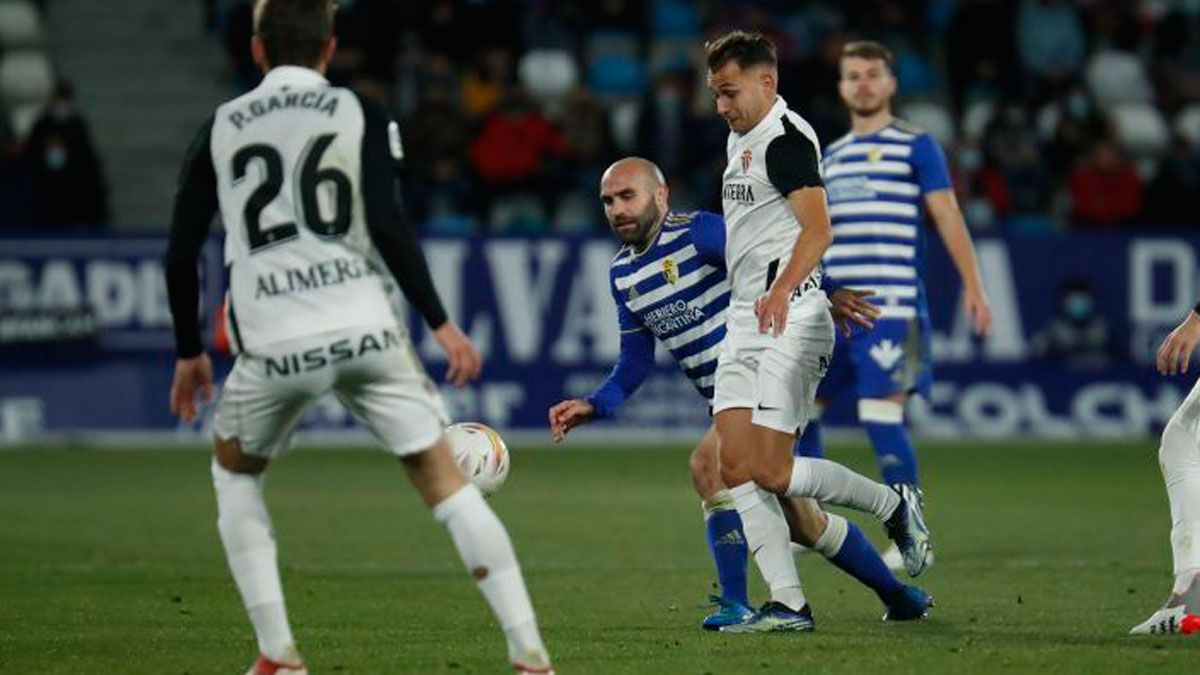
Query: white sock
{"points": [[486, 550], [1179, 457], [769, 540], [245, 528], [830, 541], [831, 483]]}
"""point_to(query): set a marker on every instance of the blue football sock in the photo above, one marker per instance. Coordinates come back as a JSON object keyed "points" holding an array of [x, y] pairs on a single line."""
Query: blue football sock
{"points": [[727, 542], [859, 559], [893, 451], [809, 444]]}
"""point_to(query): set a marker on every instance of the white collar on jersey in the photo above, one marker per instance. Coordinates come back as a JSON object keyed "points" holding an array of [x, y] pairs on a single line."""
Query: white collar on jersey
{"points": [[775, 111], [295, 75]]}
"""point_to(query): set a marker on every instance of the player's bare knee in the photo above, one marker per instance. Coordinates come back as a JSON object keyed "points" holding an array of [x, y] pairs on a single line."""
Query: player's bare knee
{"points": [[734, 470], [704, 467], [230, 457]]}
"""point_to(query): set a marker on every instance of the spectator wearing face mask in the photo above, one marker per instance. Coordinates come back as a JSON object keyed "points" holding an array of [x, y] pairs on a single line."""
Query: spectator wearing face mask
{"points": [[69, 189], [1077, 335]]}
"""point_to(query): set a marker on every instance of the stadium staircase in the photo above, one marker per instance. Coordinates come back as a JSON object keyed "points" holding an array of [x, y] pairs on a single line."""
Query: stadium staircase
{"points": [[146, 75]]}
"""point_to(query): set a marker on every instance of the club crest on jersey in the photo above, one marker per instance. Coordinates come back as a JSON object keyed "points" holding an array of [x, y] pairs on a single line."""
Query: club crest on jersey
{"points": [[874, 154], [670, 271], [747, 157]]}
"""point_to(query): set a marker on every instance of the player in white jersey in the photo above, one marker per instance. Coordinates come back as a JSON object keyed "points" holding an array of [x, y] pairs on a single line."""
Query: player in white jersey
{"points": [[304, 174], [884, 179], [670, 286], [1179, 458], [779, 334]]}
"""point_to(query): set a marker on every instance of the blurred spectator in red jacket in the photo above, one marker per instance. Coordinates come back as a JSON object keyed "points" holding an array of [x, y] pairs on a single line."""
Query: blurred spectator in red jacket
{"points": [[1106, 191], [517, 152]]}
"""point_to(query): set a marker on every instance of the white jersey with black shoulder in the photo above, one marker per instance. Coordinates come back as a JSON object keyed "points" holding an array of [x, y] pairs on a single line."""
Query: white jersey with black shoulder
{"points": [[766, 164], [304, 176]]}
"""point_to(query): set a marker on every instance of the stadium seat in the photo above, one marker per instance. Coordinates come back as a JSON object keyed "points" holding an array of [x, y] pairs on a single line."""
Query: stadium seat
{"points": [[623, 119], [674, 19], [932, 118], [1140, 129], [576, 213], [1187, 124], [518, 214], [548, 74], [606, 42], [914, 70], [616, 75], [1117, 77], [25, 77], [23, 117], [20, 25], [976, 119], [1046, 121], [671, 55]]}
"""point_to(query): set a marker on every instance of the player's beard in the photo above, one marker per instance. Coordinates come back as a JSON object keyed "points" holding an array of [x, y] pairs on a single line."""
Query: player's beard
{"points": [[646, 221], [868, 110]]}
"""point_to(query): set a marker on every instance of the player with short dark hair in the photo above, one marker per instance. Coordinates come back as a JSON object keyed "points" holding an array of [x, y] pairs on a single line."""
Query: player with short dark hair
{"points": [[883, 179], [670, 287], [779, 332], [304, 176]]}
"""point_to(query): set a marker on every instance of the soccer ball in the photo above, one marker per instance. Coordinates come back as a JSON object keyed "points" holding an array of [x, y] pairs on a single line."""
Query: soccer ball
{"points": [[480, 453]]}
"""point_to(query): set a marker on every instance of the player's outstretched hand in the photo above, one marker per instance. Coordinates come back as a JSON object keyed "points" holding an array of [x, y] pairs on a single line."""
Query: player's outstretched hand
{"points": [[980, 311], [1176, 351], [567, 415], [465, 363], [772, 310], [190, 375], [850, 306]]}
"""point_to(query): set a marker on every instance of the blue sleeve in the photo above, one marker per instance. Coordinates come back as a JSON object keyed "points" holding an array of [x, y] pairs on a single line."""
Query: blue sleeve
{"points": [[633, 366], [634, 362], [930, 165], [828, 284], [708, 236]]}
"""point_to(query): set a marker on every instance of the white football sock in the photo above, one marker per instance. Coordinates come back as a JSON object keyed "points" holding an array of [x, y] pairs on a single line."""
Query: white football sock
{"points": [[245, 528], [831, 540], [831, 483], [1179, 457], [486, 550], [769, 540]]}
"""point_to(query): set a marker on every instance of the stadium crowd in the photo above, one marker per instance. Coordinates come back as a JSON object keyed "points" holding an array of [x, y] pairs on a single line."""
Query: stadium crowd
{"points": [[1056, 114]]}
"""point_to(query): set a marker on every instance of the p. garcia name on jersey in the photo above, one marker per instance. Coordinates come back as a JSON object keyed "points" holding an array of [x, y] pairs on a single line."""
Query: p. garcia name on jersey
{"points": [[260, 107], [743, 193]]}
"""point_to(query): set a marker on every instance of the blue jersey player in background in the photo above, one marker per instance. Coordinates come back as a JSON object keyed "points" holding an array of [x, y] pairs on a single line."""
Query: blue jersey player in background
{"points": [[670, 285], [882, 179]]}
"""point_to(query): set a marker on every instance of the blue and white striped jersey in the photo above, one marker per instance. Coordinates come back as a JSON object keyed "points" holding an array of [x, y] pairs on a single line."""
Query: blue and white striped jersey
{"points": [[675, 292], [876, 186]]}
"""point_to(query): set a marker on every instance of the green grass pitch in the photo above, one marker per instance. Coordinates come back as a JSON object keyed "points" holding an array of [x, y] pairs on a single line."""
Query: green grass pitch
{"points": [[110, 563]]}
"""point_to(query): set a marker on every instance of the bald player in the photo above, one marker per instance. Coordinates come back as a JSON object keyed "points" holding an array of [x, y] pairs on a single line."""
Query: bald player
{"points": [[669, 283]]}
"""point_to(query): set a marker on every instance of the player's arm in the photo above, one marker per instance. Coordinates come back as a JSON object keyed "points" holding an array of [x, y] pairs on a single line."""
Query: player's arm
{"points": [[1175, 354], [396, 240], [191, 218], [634, 364], [934, 177], [794, 170]]}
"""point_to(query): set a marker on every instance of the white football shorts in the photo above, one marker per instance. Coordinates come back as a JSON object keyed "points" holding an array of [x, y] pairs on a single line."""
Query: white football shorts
{"points": [[776, 377], [374, 373]]}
